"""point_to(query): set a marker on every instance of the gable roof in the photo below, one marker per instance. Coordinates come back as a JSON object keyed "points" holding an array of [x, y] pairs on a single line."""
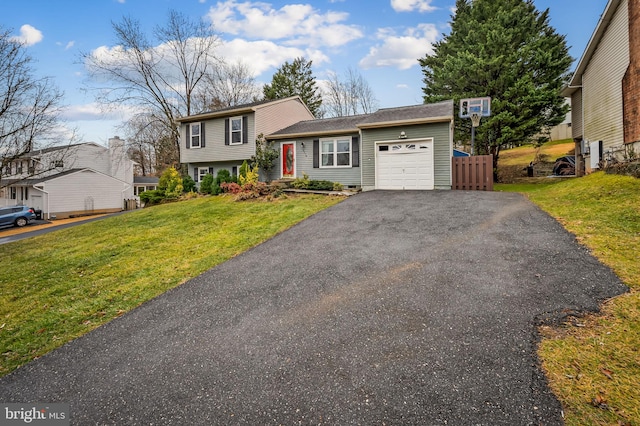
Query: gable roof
{"points": [[415, 114], [598, 33], [38, 180], [387, 117], [238, 109], [74, 171], [322, 126], [38, 152]]}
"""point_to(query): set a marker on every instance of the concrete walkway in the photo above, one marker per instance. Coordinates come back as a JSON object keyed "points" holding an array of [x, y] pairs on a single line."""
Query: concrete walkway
{"points": [[389, 308]]}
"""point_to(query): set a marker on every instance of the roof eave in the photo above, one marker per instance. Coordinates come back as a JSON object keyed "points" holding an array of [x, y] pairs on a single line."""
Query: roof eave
{"points": [[603, 23], [308, 134], [232, 112], [568, 91]]}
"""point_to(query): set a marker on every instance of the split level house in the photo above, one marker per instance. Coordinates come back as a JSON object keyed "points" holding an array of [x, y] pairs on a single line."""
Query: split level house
{"points": [[394, 148], [605, 89], [76, 179]]}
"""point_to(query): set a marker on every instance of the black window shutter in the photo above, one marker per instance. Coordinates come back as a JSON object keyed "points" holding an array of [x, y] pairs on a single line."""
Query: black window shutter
{"points": [[202, 135], [316, 153], [211, 171], [188, 138], [226, 131], [245, 129], [195, 174], [355, 151]]}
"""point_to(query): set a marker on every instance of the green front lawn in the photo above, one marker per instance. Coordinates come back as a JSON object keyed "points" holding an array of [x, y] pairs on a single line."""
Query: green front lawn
{"points": [[58, 286], [593, 364]]}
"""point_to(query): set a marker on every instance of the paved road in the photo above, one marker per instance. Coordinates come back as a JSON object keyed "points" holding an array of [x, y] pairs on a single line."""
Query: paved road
{"points": [[389, 308], [33, 230]]}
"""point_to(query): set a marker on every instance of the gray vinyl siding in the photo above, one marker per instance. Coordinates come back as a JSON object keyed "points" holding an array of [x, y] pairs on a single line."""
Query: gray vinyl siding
{"points": [[347, 176], [215, 150], [602, 82], [442, 142]]}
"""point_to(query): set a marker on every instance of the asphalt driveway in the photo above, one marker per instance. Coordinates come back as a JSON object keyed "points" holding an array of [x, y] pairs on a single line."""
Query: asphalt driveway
{"points": [[389, 308]]}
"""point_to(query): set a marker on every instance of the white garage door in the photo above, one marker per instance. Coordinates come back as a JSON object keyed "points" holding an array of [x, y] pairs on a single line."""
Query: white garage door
{"points": [[405, 165]]}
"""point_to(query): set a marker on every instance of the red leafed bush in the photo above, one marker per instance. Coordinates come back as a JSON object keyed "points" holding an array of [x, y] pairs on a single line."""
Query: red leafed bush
{"points": [[230, 187]]}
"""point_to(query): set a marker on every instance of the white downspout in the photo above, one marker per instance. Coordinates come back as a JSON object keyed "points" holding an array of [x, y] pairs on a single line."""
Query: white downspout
{"points": [[42, 189]]}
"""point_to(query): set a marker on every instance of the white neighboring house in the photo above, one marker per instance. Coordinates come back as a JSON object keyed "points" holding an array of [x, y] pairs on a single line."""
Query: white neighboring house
{"points": [[72, 180]]}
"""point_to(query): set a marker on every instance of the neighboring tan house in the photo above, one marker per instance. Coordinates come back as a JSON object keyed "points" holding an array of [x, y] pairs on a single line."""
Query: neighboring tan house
{"points": [[84, 178], [393, 148], [605, 88], [224, 138], [562, 130]]}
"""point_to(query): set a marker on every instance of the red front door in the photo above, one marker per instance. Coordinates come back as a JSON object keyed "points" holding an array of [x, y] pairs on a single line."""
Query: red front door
{"points": [[288, 160]]}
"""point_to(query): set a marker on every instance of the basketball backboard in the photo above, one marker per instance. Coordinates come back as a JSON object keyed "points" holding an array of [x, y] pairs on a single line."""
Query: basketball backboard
{"points": [[471, 106]]}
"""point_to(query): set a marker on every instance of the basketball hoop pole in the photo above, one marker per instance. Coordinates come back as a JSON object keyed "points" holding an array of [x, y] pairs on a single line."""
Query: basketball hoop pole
{"points": [[473, 140], [475, 122]]}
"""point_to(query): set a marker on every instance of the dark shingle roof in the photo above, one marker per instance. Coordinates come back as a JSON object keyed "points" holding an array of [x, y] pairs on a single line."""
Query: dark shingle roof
{"points": [[408, 113], [352, 123], [323, 125], [35, 179], [146, 179]]}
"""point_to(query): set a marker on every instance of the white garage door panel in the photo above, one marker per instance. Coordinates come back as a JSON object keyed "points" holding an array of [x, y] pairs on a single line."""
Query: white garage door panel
{"points": [[405, 166]]}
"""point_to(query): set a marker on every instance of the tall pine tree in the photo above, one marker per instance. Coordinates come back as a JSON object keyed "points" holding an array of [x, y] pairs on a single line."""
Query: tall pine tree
{"points": [[505, 49], [292, 79]]}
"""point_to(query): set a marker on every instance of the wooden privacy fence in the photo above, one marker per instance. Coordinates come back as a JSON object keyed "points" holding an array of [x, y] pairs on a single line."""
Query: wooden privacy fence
{"points": [[473, 173]]}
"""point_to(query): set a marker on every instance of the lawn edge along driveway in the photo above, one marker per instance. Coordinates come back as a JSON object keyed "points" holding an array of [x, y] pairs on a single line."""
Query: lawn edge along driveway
{"points": [[390, 307]]}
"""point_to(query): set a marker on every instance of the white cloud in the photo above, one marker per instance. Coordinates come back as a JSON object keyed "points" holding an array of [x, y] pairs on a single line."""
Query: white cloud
{"points": [[28, 35], [402, 86], [96, 112], [294, 24], [401, 51], [412, 5], [261, 56], [69, 45]]}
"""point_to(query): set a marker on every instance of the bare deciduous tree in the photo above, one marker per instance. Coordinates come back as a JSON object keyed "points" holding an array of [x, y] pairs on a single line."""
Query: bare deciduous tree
{"points": [[159, 77], [149, 144], [30, 109], [230, 85], [349, 96]]}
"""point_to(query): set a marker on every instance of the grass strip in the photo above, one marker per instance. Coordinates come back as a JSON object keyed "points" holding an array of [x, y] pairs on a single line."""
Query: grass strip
{"points": [[58, 286], [593, 363]]}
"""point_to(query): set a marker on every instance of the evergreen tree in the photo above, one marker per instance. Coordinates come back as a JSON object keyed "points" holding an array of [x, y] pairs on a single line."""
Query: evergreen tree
{"points": [[292, 79], [505, 49]]}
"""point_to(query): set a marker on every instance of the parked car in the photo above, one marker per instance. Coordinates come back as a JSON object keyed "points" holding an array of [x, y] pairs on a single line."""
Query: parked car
{"points": [[16, 215]]}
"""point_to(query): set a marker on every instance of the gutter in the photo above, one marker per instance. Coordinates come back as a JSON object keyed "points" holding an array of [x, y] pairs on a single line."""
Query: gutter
{"points": [[443, 119]]}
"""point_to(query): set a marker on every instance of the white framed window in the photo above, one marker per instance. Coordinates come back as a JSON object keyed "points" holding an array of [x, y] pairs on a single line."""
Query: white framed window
{"points": [[335, 152], [195, 134], [235, 131], [202, 172]]}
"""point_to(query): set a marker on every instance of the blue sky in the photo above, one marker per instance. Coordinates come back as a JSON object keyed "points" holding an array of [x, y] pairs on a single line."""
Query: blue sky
{"points": [[382, 39]]}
